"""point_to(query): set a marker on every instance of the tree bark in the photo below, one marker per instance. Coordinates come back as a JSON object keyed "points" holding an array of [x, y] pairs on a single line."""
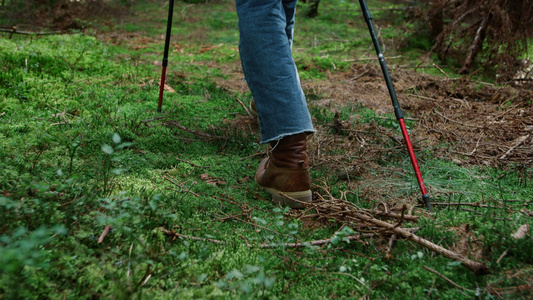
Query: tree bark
{"points": [[476, 44], [436, 19]]}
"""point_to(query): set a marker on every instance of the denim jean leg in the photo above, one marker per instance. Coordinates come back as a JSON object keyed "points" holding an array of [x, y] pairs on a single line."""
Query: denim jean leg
{"points": [[265, 43], [289, 6]]}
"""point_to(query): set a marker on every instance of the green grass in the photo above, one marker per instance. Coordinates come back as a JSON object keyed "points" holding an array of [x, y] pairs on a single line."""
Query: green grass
{"points": [[82, 147]]}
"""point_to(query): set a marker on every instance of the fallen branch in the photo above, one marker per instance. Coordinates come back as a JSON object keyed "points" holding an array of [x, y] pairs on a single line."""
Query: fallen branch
{"points": [[372, 58], [316, 242], [176, 235], [477, 43], [391, 243], [350, 275], [198, 133], [475, 204], [477, 267], [527, 212], [441, 70], [352, 214], [167, 178], [447, 279], [245, 108], [253, 155], [104, 233], [502, 256], [392, 215], [15, 31], [166, 122], [190, 163], [518, 142], [457, 122], [183, 191]]}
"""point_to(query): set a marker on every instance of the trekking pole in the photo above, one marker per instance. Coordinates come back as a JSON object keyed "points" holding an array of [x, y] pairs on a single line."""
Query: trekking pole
{"points": [[397, 110], [165, 55]]}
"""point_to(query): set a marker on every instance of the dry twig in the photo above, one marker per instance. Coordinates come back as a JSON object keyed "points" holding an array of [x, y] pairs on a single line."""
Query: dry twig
{"points": [[245, 108], [104, 233], [346, 212], [15, 31], [446, 278]]}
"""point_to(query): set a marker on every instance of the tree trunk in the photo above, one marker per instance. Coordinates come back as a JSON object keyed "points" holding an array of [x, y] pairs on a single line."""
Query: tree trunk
{"points": [[476, 44], [436, 19]]}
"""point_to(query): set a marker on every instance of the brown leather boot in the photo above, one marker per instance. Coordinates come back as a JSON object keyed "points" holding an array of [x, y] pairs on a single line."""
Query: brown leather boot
{"points": [[286, 171]]}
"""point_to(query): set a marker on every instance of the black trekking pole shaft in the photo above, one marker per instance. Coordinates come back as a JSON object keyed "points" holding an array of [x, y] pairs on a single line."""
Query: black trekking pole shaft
{"points": [[397, 110], [165, 54]]}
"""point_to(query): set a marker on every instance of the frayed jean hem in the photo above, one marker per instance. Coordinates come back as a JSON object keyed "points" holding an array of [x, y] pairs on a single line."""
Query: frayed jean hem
{"points": [[279, 137]]}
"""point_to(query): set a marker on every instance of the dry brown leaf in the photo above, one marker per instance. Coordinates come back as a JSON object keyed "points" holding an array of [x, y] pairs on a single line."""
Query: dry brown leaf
{"points": [[145, 83], [139, 47], [207, 48], [178, 47], [179, 74], [169, 89], [211, 180], [244, 179], [522, 232]]}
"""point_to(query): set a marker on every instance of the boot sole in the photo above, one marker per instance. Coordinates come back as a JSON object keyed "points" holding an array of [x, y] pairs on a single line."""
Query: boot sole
{"points": [[287, 198]]}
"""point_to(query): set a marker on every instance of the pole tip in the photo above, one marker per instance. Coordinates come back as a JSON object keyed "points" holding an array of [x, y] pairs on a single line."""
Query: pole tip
{"points": [[159, 109], [425, 199]]}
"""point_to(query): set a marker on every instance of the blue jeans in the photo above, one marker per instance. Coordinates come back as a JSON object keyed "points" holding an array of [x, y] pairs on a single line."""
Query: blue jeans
{"points": [[266, 31]]}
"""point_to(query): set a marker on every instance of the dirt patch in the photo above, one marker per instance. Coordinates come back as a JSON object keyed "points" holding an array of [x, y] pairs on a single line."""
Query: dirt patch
{"points": [[469, 122], [465, 121], [63, 15]]}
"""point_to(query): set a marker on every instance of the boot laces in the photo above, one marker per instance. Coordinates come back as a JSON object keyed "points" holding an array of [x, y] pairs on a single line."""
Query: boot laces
{"points": [[269, 152]]}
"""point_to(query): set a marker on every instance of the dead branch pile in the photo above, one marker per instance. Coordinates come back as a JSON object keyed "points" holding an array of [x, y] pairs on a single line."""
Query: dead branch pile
{"points": [[489, 125], [495, 31], [469, 122], [364, 220], [367, 223]]}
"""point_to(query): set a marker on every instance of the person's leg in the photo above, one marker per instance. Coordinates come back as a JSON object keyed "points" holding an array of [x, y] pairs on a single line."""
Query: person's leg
{"points": [[265, 28], [289, 6], [266, 32]]}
